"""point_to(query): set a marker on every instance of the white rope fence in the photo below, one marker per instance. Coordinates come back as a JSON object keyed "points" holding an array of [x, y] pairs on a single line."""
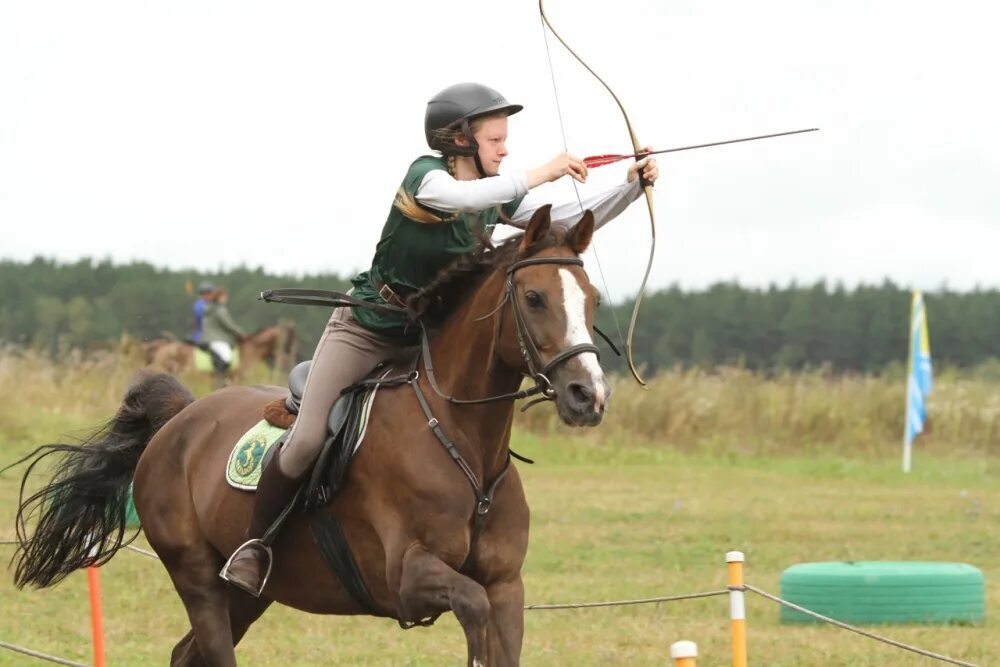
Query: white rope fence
{"points": [[622, 603], [145, 552], [40, 655], [863, 633], [611, 603]]}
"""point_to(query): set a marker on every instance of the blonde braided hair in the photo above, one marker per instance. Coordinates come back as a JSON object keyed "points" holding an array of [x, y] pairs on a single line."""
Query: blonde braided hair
{"points": [[405, 201]]}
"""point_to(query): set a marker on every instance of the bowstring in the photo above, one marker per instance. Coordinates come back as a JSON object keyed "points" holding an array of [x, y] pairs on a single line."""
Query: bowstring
{"points": [[576, 190]]}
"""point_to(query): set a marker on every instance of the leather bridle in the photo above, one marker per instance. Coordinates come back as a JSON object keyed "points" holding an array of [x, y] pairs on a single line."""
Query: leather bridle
{"points": [[538, 370]]}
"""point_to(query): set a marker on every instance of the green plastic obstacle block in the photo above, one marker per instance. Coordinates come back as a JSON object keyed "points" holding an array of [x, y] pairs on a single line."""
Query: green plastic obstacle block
{"points": [[131, 517], [885, 592]]}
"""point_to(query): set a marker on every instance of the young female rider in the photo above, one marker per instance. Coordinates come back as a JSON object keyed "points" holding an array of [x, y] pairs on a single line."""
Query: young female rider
{"points": [[441, 208]]}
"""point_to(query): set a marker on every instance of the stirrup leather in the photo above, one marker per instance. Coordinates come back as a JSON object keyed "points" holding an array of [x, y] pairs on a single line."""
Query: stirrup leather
{"points": [[249, 544]]}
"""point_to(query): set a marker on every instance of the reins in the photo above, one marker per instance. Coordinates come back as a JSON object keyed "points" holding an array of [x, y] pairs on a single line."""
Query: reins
{"points": [[538, 372]]}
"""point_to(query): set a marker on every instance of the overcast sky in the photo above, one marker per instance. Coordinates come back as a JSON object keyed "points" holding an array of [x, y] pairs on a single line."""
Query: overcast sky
{"points": [[210, 134]]}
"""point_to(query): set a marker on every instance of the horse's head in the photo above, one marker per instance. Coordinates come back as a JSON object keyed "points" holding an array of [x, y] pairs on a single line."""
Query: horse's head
{"points": [[547, 332]]}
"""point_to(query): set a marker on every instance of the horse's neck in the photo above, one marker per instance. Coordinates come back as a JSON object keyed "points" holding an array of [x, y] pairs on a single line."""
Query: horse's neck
{"points": [[260, 342], [466, 367]]}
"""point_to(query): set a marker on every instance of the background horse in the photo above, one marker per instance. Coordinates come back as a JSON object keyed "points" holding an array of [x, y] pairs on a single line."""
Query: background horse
{"points": [[424, 534], [275, 345]]}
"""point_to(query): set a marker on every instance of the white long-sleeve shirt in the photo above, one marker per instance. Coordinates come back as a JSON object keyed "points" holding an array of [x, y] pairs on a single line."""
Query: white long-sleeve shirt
{"points": [[443, 192]]}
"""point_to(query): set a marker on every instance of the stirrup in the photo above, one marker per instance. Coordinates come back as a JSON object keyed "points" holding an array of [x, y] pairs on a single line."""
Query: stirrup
{"points": [[249, 544]]}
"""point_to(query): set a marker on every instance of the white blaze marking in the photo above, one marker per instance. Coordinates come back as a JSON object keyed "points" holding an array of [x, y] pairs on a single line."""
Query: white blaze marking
{"points": [[577, 331]]}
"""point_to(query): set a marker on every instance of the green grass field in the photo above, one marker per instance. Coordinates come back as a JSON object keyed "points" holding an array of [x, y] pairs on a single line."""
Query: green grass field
{"points": [[611, 522], [613, 517]]}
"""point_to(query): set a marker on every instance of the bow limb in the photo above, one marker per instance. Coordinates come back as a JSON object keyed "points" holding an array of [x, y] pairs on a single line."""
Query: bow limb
{"points": [[646, 188]]}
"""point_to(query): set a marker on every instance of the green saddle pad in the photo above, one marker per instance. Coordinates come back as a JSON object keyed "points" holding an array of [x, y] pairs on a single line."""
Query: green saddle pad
{"points": [[203, 360], [244, 467]]}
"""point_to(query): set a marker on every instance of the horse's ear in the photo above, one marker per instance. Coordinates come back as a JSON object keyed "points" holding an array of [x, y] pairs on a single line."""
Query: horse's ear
{"points": [[537, 229], [579, 236]]}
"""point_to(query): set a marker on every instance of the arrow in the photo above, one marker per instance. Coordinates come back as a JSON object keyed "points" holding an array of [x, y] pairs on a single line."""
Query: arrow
{"points": [[611, 158]]}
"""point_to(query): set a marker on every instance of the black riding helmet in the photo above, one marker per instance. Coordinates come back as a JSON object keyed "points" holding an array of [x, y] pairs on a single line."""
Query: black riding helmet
{"points": [[454, 107]]}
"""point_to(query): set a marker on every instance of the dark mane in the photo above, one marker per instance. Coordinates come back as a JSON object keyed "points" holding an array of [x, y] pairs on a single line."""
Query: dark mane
{"points": [[453, 285]]}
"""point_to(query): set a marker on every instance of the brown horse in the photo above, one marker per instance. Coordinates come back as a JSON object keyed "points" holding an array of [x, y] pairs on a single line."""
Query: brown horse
{"points": [[524, 308], [275, 345]]}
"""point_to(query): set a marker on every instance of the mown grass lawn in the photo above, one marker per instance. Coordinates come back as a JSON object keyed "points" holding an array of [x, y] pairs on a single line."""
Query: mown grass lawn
{"points": [[609, 521]]}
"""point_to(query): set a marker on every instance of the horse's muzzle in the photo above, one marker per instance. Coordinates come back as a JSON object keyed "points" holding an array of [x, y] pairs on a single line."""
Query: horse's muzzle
{"points": [[583, 403]]}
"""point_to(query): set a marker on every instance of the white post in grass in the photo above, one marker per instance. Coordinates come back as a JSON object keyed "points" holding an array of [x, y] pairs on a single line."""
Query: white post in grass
{"points": [[737, 607], [683, 653]]}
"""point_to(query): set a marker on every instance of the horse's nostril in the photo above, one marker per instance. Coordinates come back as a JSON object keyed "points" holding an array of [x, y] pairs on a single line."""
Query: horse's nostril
{"points": [[581, 393]]}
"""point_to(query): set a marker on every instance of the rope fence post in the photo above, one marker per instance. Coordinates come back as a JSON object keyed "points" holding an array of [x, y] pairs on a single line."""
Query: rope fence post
{"points": [[683, 653], [96, 615], [737, 607]]}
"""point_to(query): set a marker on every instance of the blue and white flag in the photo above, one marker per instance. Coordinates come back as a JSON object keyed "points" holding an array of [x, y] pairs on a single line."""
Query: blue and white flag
{"points": [[919, 378]]}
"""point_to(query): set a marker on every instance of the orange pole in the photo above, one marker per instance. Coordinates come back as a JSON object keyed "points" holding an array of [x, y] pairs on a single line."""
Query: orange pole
{"points": [[96, 617], [737, 608], [684, 653]]}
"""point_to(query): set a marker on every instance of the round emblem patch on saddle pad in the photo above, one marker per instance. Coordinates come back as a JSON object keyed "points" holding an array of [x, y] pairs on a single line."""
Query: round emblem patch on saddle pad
{"points": [[244, 467]]}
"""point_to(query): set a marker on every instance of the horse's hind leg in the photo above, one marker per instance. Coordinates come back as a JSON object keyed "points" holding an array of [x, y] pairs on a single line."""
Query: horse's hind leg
{"points": [[429, 586], [243, 611], [186, 652], [206, 599]]}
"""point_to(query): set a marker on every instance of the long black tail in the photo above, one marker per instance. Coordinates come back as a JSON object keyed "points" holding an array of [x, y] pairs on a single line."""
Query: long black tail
{"points": [[81, 512]]}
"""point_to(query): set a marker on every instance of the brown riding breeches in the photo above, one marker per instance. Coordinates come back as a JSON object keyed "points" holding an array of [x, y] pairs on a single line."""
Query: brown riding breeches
{"points": [[344, 355]]}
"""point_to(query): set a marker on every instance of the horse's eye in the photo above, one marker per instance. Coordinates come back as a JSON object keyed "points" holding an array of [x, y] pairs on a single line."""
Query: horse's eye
{"points": [[534, 299]]}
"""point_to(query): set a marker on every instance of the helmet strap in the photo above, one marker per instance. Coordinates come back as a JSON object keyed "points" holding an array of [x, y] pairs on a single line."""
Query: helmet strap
{"points": [[479, 165], [473, 147]]}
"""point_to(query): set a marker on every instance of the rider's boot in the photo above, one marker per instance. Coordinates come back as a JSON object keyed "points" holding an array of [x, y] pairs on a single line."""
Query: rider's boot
{"points": [[220, 365], [250, 565]]}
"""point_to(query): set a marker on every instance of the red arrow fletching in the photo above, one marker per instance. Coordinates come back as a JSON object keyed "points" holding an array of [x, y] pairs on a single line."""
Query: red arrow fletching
{"points": [[601, 160]]}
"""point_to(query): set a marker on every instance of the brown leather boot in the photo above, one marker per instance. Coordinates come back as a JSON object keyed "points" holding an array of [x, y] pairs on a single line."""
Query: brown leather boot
{"points": [[250, 565]]}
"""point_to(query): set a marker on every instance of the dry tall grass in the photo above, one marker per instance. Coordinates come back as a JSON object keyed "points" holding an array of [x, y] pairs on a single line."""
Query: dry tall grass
{"points": [[728, 411], [73, 390], [733, 410], [621, 518]]}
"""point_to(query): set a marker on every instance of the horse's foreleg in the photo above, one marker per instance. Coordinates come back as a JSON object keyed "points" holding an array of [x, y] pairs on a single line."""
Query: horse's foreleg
{"points": [[506, 628], [429, 586]]}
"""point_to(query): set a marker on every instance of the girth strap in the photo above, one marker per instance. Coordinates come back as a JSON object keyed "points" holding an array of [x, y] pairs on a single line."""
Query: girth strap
{"points": [[329, 537]]}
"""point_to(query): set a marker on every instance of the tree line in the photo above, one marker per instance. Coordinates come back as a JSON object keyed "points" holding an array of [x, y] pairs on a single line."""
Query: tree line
{"points": [[56, 306]]}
